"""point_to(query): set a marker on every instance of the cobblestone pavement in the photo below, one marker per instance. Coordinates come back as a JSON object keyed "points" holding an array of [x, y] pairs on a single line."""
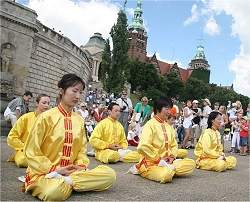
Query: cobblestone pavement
{"points": [[200, 186]]}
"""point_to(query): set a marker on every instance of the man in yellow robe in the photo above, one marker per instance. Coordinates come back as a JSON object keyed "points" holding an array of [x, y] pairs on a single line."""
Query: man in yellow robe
{"points": [[19, 133], [209, 150], [109, 139], [159, 149]]}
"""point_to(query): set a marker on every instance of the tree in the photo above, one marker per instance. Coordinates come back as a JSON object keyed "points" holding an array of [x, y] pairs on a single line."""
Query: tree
{"points": [[195, 89], [105, 67], [119, 69], [174, 84], [223, 95]]}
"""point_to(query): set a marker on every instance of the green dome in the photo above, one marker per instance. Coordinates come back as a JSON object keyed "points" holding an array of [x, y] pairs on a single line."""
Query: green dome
{"points": [[96, 40], [200, 54]]}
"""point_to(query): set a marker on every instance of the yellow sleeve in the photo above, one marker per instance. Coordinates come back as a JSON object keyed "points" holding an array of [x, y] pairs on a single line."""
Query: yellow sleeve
{"points": [[82, 159], [208, 148], [145, 146], [96, 138], [173, 143], [39, 163], [16, 132], [123, 140]]}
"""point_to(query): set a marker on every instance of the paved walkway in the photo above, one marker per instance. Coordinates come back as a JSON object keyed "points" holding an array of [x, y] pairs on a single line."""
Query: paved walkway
{"points": [[200, 186]]}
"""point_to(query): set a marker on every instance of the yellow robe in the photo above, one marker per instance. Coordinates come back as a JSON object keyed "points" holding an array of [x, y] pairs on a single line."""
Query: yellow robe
{"points": [[158, 141], [58, 139], [209, 149], [110, 131], [18, 135]]}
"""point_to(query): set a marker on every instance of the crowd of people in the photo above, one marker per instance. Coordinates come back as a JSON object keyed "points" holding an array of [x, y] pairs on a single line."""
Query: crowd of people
{"points": [[234, 124], [52, 143]]}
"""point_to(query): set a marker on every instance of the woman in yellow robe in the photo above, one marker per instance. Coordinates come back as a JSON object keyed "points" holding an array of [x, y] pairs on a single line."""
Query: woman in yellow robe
{"points": [[159, 148], [209, 150], [109, 139], [56, 150], [18, 134]]}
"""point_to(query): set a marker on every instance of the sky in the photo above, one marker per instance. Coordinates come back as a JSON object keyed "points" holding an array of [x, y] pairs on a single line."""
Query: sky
{"points": [[175, 28]]}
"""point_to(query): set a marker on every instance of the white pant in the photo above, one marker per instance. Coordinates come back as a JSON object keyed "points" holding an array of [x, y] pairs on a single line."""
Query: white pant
{"points": [[236, 140], [12, 117], [89, 128]]}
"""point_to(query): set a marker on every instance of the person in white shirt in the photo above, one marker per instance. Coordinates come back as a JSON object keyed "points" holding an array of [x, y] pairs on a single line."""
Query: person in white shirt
{"points": [[187, 123], [232, 112], [205, 113], [196, 132], [83, 111], [126, 106], [17, 107]]}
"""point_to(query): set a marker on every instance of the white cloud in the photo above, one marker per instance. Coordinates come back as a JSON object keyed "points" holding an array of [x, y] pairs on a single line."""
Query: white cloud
{"points": [[239, 11], [194, 16], [77, 20], [211, 27], [240, 66]]}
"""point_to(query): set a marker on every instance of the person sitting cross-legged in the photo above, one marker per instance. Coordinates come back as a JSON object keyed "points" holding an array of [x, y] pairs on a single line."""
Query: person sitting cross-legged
{"points": [[56, 150], [109, 140], [159, 148], [209, 150], [19, 133]]}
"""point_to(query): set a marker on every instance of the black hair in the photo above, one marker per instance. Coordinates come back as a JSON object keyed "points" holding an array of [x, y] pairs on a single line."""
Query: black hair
{"points": [[28, 93], [111, 105], [40, 96], [162, 102], [211, 117], [70, 80]]}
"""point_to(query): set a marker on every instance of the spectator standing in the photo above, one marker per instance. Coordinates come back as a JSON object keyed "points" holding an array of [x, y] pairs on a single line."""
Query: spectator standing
{"points": [[244, 127], [205, 113], [126, 106], [17, 107]]}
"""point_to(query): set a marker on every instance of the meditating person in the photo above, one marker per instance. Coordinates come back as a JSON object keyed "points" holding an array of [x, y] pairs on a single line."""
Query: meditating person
{"points": [[109, 140], [159, 148], [209, 150], [56, 150], [19, 133]]}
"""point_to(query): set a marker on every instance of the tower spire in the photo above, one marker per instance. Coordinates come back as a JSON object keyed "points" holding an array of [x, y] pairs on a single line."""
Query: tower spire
{"points": [[200, 54], [137, 22]]}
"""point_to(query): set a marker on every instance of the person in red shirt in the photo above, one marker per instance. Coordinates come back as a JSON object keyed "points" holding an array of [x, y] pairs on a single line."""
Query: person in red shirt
{"points": [[243, 136], [98, 115]]}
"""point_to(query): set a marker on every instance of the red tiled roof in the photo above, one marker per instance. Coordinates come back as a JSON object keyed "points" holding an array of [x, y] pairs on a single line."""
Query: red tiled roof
{"points": [[164, 67], [185, 74]]}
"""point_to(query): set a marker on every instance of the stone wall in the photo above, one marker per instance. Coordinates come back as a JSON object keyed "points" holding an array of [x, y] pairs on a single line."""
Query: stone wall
{"points": [[53, 56], [38, 56]]}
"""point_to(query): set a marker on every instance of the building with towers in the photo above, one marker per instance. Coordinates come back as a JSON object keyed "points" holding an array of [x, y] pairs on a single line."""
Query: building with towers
{"points": [[198, 67]]}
